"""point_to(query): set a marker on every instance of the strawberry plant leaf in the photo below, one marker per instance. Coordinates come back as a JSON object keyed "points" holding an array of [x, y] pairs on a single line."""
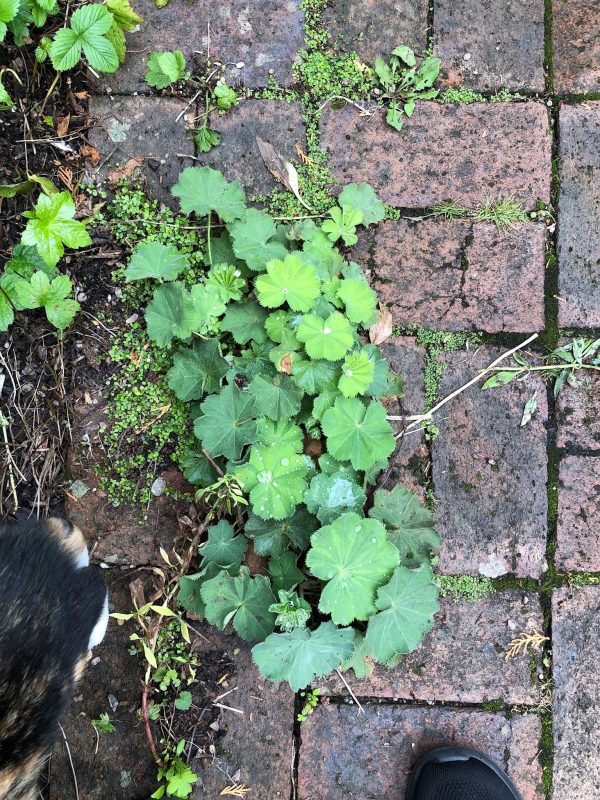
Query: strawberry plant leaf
{"points": [[223, 546], [329, 338], [282, 431], [274, 537], [155, 260], [165, 68], [357, 374], [360, 301], [359, 434], [354, 557], [245, 321], [301, 655], [277, 397], [124, 15], [329, 496], [290, 281], [197, 370], [87, 30], [8, 11], [275, 478], [253, 241], [284, 572], [362, 197], [406, 607], [342, 224], [315, 377], [228, 422], [410, 525], [172, 314], [242, 600], [202, 190], [51, 225]]}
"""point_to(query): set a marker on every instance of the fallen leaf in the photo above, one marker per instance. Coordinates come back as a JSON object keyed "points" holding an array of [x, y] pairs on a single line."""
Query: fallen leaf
{"points": [[125, 171], [313, 447], [282, 170], [62, 125], [136, 589], [382, 329], [529, 410], [82, 95], [90, 154], [285, 365]]}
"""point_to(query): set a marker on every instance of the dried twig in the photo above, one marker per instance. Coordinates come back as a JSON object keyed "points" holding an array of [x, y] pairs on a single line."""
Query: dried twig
{"points": [[70, 761], [352, 695]]}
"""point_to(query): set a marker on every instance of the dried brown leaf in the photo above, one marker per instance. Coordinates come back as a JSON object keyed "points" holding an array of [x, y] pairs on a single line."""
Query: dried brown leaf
{"points": [[62, 125], [126, 170], [382, 329], [90, 154], [281, 169]]}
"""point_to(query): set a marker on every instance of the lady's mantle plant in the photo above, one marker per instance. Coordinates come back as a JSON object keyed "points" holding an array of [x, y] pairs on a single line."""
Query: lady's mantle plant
{"points": [[285, 398]]}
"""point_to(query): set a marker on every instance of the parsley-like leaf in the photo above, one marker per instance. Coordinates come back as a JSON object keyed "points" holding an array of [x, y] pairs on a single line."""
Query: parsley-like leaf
{"points": [[342, 224]]}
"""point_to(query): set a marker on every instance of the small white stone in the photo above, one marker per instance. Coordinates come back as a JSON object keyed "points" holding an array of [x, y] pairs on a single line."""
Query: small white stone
{"points": [[467, 56], [158, 487]]}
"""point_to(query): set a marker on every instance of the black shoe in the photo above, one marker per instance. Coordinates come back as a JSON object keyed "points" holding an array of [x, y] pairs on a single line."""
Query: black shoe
{"points": [[459, 773]]}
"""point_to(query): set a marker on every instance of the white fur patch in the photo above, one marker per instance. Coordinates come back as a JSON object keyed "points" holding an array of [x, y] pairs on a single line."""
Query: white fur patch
{"points": [[100, 627], [83, 559]]}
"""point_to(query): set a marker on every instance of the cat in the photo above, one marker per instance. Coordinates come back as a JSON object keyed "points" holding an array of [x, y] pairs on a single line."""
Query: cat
{"points": [[53, 611]]}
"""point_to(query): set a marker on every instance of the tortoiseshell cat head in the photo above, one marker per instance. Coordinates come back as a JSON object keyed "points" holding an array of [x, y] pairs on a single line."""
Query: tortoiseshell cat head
{"points": [[53, 610]]}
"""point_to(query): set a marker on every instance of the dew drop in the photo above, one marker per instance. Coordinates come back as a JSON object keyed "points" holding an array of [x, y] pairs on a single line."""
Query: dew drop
{"points": [[358, 528], [373, 540], [348, 373], [266, 476], [285, 462], [326, 330]]}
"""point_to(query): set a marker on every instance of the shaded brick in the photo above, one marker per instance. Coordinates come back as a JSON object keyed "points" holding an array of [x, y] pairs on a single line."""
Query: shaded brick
{"points": [[576, 46], [371, 756], [458, 275], [576, 724], [578, 530], [238, 156], [503, 39], [578, 244], [489, 474], [263, 35], [467, 153], [578, 412], [463, 658], [117, 765], [145, 127], [375, 27], [256, 747]]}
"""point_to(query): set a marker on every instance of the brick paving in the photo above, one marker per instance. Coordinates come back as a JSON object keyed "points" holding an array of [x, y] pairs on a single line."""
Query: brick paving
{"points": [[489, 475]]}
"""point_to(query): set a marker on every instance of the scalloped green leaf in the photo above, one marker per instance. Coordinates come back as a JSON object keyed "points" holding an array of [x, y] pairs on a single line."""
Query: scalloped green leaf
{"points": [[245, 321], [361, 660], [223, 546], [329, 339], [155, 260], [342, 224], [277, 397], [358, 433], [253, 240], [228, 422], [275, 478], [362, 197], [357, 374], [292, 281], [274, 537], [242, 601], [172, 314], [360, 301], [203, 189], [328, 496], [315, 377], [282, 431], [197, 370], [284, 571]]}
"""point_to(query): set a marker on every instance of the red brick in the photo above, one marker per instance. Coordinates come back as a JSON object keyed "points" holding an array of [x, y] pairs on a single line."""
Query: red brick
{"points": [[466, 153], [578, 531], [578, 243], [238, 156], [371, 755], [489, 474], [578, 412], [458, 275], [576, 46], [263, 35], [375, 27], [489, 44], [576, 725], [131, 127], [462, 659]]}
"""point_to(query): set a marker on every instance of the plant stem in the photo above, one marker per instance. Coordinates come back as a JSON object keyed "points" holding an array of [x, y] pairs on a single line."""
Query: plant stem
{"points": [[208, 239]]}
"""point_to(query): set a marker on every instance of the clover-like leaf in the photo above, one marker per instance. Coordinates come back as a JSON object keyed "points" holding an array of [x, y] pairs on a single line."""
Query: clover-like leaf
{"points": [[242, 600], [342, 224], [165, 68], [172, 314], [275, 478], [315, 376], [203, 189], [359, 300], [274, 537], [329, 496], [406, 607], [329, 338], [301, 655], [223, 546], [362, 197], [284, 572], [87, 30], [245, 321], [51, 224], [282, 431], [358, 433], [155, 260], [253, 240], [357, 374], [228, 422], [197, 370], [277, 397], [292, 281], [354, 556], [410, 525]]}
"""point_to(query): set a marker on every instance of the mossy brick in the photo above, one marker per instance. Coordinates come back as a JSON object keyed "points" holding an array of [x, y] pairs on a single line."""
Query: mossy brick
{"points": [[491, 44], [462, 659], [238, 157], [578, 413], [464, 153], [256, 747], [119, 764], [372, 755], [576, 46], [578, 244], [254, 39], [144, 128], [458, 275], [489, 473], [576, 706], [374, 28], [578, 525]]}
